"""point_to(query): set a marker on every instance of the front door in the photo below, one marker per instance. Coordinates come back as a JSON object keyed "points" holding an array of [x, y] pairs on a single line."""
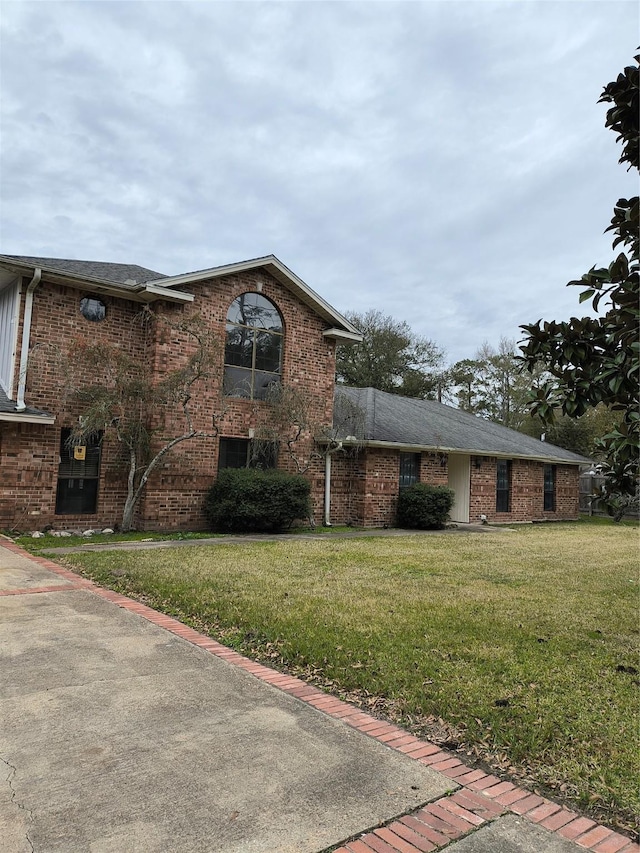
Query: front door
{"points": [[460, 481]]}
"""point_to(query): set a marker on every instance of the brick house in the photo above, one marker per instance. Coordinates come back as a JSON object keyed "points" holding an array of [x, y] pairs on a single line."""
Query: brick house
{"points": [[494, 471], [272, 329]]}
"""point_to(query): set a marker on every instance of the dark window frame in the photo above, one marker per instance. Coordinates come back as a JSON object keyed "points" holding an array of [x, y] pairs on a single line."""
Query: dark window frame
{"points": [[93, 308], [409, 470], [78, 480], [549, 488], [503, 485], [254, 346], [247, 453]]}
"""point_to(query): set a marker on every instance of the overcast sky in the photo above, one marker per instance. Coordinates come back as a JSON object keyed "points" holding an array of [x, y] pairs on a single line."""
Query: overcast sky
{"points": [[443, 162]]}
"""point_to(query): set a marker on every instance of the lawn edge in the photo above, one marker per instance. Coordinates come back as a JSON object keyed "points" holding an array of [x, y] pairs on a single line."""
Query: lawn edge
{"points": [[480, 796]]}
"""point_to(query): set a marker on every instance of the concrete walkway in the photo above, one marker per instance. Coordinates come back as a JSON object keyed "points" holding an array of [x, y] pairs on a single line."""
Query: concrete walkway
{"points": [[247, 538], [123, 730]]}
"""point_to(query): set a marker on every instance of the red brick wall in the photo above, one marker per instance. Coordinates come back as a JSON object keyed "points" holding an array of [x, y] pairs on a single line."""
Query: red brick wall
{"points": [[527, 482], [174, 494], [29, 453], [308, 364], [29, 456], [365, 485], [365, 488]]}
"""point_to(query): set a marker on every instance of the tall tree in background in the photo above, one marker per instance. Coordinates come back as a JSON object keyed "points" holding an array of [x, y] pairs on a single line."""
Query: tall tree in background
{"points": [[494, 385], [597, 360], [390, 358], [581, 435]]}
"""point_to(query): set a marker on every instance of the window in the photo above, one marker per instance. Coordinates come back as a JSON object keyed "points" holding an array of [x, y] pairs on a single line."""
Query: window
{"points": [[503, 485], [93, 309], [245, 453], [253, 351], [78, 475], [549, 488], [409, 469]]}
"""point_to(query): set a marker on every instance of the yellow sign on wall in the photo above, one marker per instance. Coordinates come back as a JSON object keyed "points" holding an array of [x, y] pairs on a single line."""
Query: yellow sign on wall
{"points": [[80, 452]]}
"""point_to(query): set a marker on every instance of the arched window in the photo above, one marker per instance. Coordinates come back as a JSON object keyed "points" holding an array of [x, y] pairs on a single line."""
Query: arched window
{"points": [[253, 351]]}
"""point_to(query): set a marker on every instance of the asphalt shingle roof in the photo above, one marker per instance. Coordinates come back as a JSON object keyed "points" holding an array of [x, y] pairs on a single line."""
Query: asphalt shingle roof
{"points": [[425, 423], [115, 273], [8, 407]]}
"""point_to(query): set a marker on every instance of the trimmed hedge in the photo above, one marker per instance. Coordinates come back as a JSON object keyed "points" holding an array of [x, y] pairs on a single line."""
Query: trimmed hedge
{"points": [[424, 507], [246, 500]]}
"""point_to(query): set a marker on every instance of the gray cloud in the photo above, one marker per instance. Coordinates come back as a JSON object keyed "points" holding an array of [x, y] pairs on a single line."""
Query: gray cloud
{"points": [[444, 162]]}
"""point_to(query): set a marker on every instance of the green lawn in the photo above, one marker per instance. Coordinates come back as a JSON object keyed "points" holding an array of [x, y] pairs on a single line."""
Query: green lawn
{"points": [[521, 645]]}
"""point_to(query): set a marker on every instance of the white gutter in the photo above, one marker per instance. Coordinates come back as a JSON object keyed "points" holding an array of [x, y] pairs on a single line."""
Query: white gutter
{"points": [[26, 336], [156, 293], [327, 484], [27, 419], [498, 454]]}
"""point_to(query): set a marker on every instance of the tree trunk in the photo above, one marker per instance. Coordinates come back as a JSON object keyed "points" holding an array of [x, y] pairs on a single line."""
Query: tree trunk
{"points": [[132, 495], [127, 514]]}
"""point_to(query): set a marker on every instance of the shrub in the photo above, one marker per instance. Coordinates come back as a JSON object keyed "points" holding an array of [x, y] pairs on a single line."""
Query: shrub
{"points": [[424, 507], [251, 500]]}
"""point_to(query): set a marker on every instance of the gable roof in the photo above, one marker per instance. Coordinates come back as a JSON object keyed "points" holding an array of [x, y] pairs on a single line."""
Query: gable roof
{"points": [[388, 420], [33, 416], [146, 285], [343, 328]]}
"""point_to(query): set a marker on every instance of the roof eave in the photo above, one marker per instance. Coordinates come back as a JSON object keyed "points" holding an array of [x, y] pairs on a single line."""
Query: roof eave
{"points": [[343, 336], [282, 274], [432, 448], [135, 292], [23, 418], [153, 293]]}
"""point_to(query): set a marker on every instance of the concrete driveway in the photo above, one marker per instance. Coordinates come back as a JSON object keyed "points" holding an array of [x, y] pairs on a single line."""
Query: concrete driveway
{"points": [[122, 730]]}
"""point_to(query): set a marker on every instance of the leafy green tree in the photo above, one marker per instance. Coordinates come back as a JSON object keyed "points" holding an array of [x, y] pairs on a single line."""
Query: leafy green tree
{"points": [[391, 358], [465, 384], [494, 385], [581, 435], [597, 360]]}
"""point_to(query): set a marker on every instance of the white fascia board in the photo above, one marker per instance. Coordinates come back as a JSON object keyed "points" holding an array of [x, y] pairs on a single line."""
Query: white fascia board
{"points": [[212, 272], [27, 419], [426, 448], [71, 278], [135, 293], [152, 293], [341, 335], [281, 273]]}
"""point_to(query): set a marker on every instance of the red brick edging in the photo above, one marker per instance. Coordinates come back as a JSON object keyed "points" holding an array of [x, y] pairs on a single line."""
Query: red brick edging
{"points": [[480, 798]]}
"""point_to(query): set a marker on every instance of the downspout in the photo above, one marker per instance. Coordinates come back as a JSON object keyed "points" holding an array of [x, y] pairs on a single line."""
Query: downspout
{"points": [[327, 484], [26, 336]]}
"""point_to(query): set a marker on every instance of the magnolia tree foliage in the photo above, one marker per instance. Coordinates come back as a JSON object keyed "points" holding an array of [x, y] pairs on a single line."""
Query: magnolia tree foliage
{"points": [[122, 396], [596, 360]]}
